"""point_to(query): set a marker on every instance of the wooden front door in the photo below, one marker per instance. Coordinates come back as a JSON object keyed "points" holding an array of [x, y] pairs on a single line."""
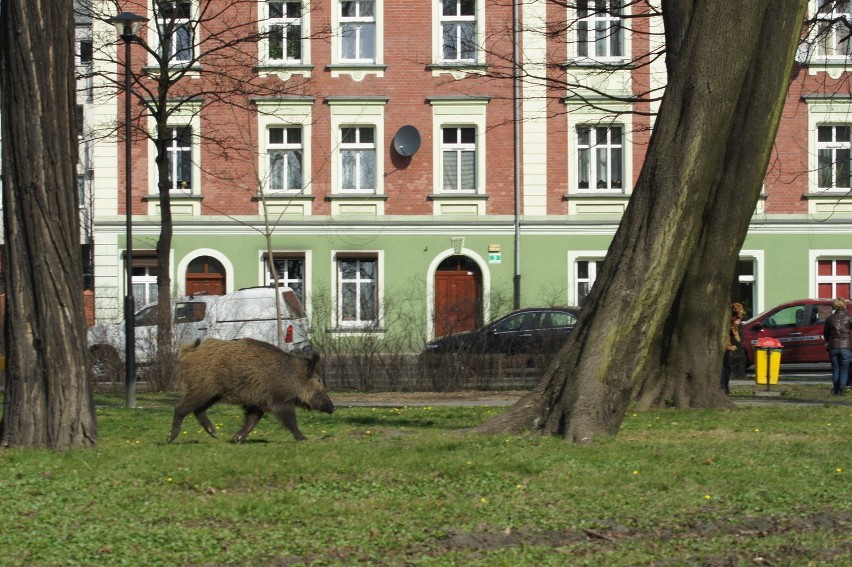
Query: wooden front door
{"points": [[205, 276], [458, 297]]}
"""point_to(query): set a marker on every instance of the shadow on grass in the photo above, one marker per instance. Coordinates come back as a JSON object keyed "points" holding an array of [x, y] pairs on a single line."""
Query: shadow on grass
{"points": [[385, 421]]}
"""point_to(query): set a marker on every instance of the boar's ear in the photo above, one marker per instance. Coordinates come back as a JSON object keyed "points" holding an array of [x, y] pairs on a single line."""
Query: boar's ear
{"points": [[312, 363]]}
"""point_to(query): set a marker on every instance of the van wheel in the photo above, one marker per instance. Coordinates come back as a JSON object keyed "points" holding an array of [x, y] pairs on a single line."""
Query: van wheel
{"points": [[106, 364]]}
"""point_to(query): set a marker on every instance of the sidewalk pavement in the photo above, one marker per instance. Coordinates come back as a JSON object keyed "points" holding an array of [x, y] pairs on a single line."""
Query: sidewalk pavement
{"points": [[503, 399]]}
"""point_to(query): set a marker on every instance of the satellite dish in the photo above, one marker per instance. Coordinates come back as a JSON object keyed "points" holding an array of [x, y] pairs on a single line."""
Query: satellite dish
{"points": [[406, 142]]}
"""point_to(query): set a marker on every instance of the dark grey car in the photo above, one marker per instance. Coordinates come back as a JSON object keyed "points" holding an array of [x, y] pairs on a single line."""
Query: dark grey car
{"points": [[534, 330]]}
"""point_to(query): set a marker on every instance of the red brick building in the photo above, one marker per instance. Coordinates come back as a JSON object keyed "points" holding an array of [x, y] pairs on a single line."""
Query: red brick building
{"points": [[318, 151]]}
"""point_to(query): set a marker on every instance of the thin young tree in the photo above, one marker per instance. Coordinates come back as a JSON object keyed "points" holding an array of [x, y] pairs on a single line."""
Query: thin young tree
{"points": [[650, 324], [47, 399], [191, 57]]}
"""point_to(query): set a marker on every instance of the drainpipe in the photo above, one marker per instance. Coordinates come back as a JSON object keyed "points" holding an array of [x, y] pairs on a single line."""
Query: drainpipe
{"points": [[516, 126]]}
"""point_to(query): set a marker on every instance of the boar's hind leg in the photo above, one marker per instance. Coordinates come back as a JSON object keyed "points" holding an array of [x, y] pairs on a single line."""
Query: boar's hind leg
{"points": [[201, 416], [253, 415], [184, 408], [287, 416]]}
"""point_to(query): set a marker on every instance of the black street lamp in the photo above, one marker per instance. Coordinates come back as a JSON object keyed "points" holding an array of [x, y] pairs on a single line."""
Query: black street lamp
{"points": [[128, 24]]}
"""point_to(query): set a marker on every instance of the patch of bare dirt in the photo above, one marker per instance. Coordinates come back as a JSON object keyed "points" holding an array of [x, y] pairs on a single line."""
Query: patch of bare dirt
{"points": [[592, 545], [587, 541]]}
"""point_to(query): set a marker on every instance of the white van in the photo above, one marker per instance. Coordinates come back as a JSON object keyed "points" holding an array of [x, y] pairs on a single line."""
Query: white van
{"points": [[247, 313]]}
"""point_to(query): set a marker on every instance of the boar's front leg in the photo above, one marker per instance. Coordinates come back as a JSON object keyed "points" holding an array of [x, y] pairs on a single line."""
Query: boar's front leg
{"points": [[253, 415], [286, 414], [188, 405]]}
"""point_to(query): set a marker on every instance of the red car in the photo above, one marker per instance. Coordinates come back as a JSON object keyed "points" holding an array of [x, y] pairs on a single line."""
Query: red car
{"points": [[797, 324]]}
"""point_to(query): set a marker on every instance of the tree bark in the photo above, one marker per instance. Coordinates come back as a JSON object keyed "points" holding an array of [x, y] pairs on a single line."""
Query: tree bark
{"points": [[687, 375], [48, 401], [164, 249], [652, 327]]}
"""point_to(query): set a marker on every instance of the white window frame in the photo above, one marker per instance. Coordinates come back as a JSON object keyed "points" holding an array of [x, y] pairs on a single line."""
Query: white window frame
{"points": [[122, 277], [592, 148], [457, 21], [454, 113], [459, 148], [580, 114], [357, 22], [284, 113], [756, 257], [357, 325], [187, 115], [594, 257], [175, 152], [816, 279], [834, 146], [83, 36], [148, 282], [440, 20], [359, 148], [357, 69], [576, 25], [357, 113], [832, 110], [189, 22], [287, 148], [266, 278], [838, 50], [287, 22]]}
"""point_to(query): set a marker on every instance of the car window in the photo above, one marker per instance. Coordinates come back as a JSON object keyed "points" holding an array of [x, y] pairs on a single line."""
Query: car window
{"points": [[554, 319], [512, 323], [146, 317], [190, 312], [787, 317], [820, 313]]}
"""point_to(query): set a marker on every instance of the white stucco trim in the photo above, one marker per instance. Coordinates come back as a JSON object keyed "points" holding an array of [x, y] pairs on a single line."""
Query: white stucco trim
{"points": [[823, 254], [180, 276]]}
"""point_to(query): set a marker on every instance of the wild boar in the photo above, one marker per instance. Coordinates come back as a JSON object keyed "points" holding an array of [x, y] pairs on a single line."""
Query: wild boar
{"points": [[256, 375]]}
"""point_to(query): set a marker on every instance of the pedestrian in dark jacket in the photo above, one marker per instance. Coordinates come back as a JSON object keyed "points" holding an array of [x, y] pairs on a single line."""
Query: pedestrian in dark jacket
{"points": [[733, 363], [839, 345]]}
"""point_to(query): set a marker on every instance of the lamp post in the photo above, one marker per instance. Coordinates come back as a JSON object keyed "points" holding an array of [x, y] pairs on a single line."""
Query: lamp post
{"points": [[128, 24]]}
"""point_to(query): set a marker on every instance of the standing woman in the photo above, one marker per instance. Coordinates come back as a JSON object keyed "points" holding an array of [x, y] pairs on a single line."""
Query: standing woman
{"points": [[836, 334], [733, 362]]}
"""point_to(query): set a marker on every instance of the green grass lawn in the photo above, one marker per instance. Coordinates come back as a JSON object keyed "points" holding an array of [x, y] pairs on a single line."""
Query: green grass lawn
{"points": [[402, 486]]}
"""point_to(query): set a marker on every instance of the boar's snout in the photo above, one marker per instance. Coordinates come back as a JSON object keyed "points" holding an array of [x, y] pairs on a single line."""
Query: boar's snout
{"points": [[319, 402], [327, 406]]}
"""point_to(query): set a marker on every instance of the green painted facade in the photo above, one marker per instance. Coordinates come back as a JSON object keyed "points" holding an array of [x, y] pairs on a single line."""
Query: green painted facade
{"points": [[782, 257]]}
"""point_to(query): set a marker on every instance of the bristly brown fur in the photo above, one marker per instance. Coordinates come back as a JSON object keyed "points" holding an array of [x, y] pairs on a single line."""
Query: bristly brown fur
{"points": [[253, 374]]}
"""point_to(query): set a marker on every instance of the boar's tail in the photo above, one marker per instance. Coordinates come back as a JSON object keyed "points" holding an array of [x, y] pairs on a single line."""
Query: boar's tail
{"points": [[189, 347]]}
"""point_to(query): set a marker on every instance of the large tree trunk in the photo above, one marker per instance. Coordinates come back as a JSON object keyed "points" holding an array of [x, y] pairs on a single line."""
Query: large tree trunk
{"points": [[48, 400], [685, 375], [653, 325]]}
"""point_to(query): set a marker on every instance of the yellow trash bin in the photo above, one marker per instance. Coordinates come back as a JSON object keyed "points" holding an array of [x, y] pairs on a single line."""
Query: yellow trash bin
{"points": [[767, 361]]}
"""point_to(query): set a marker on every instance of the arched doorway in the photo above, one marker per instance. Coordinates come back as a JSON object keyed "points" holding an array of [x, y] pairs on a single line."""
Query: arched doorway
{"points": [[458, 296], [206, 276]]}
